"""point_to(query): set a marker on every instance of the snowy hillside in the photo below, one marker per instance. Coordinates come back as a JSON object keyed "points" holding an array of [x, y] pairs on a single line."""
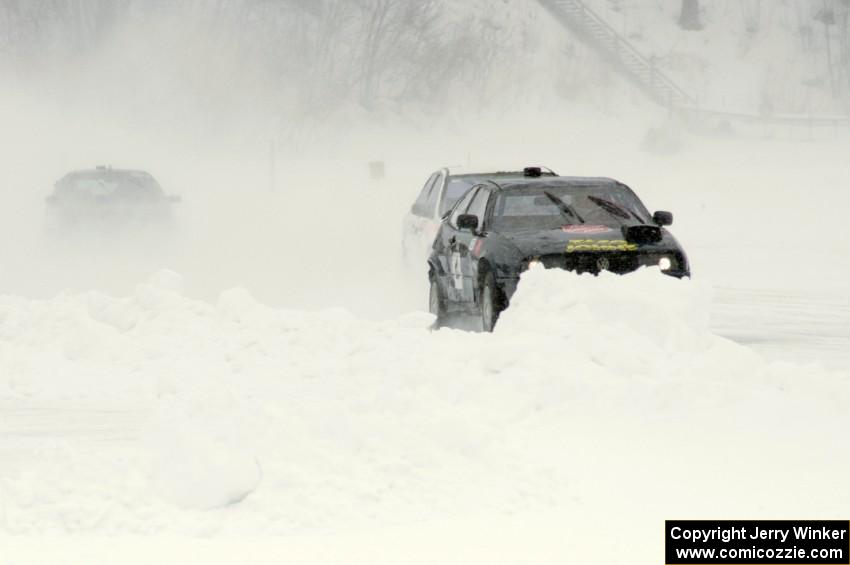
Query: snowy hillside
{"points": [[750, 56], [310, 61]]}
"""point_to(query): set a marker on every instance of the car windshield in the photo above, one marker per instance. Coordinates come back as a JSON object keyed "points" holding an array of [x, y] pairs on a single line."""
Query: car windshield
{"points": [[110, 184], [543, 207]]}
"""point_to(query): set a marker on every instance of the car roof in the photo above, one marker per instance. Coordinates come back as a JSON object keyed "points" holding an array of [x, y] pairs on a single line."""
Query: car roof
{"points": [[468, 171], [108, 171], [554, 181]]}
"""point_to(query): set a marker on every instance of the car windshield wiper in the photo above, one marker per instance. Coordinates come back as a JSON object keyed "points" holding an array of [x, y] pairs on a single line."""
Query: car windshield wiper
{"points": [[613, 209], [566, 210]]}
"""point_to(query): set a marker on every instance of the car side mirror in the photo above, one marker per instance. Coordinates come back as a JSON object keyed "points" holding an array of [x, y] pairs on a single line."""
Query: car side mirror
{"points": [[467, 222], [663, 218], [174, 199]]}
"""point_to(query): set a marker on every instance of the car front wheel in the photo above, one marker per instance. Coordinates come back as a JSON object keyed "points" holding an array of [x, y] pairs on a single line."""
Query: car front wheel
{"points": [[488, 303], [436, 305]]}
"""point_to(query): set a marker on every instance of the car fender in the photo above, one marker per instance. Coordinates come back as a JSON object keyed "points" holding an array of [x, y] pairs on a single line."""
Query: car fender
{"points": [[501, 255]]}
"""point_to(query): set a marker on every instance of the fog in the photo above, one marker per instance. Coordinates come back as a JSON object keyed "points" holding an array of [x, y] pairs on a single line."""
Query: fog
{"points": [[270, 153], [273, 171], [315, 397]]}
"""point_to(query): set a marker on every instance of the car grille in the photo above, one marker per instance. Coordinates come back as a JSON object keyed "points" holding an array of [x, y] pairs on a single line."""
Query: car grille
{"points": [[619, 263]]}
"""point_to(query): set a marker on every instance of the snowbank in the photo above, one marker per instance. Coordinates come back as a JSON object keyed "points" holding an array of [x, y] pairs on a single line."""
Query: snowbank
{"points": [[606, 394]]}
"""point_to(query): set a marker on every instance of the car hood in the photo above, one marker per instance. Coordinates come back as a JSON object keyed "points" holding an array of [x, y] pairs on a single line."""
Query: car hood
{"points": [[581, 237]]}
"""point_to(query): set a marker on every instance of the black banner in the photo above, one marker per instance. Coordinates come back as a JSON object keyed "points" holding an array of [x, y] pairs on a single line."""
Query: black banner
{"points": [[757, 542]]}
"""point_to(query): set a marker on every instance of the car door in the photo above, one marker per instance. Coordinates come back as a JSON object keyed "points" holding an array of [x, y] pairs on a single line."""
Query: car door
{"points": [[461, 246], [468, 240], [450, 250]]}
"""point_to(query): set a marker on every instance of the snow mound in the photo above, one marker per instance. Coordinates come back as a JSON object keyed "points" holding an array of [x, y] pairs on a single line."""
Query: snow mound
{"points": [[656, 311], [235, 417], [643, 324], [200, 460]]}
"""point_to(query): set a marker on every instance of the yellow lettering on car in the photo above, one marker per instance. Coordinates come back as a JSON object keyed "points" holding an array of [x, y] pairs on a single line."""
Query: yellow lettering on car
{"points": [[600, 245]]}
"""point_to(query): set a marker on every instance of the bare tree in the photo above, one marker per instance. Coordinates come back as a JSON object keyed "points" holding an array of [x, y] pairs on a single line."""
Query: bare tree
{"points": [[689, 17], [751, 13], [826, 15], [316, 54]]}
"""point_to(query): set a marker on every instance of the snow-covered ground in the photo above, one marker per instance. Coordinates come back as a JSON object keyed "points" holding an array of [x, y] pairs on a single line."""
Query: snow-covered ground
{"points": [[262, 385], [597, 401]]}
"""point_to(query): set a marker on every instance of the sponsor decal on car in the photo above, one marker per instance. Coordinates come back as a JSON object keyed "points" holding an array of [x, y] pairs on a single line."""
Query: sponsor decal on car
{"points": [[600, 245], [477, 244], [586, 229]]}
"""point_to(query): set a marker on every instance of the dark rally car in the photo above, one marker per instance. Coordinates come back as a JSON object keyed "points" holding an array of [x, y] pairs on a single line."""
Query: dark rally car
{"points": [[585, 225], [107, 197]]}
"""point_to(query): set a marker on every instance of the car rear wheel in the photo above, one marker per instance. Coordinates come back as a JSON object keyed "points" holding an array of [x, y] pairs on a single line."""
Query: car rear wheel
{"points": [[436, 304], [488, 303]]}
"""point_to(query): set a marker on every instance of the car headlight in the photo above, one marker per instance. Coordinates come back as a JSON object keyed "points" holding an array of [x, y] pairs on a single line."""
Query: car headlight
{"points": [[665, 264]]}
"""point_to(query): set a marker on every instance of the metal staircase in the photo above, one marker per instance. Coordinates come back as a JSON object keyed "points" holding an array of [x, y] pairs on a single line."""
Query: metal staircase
{"points": [[618, 51]]}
